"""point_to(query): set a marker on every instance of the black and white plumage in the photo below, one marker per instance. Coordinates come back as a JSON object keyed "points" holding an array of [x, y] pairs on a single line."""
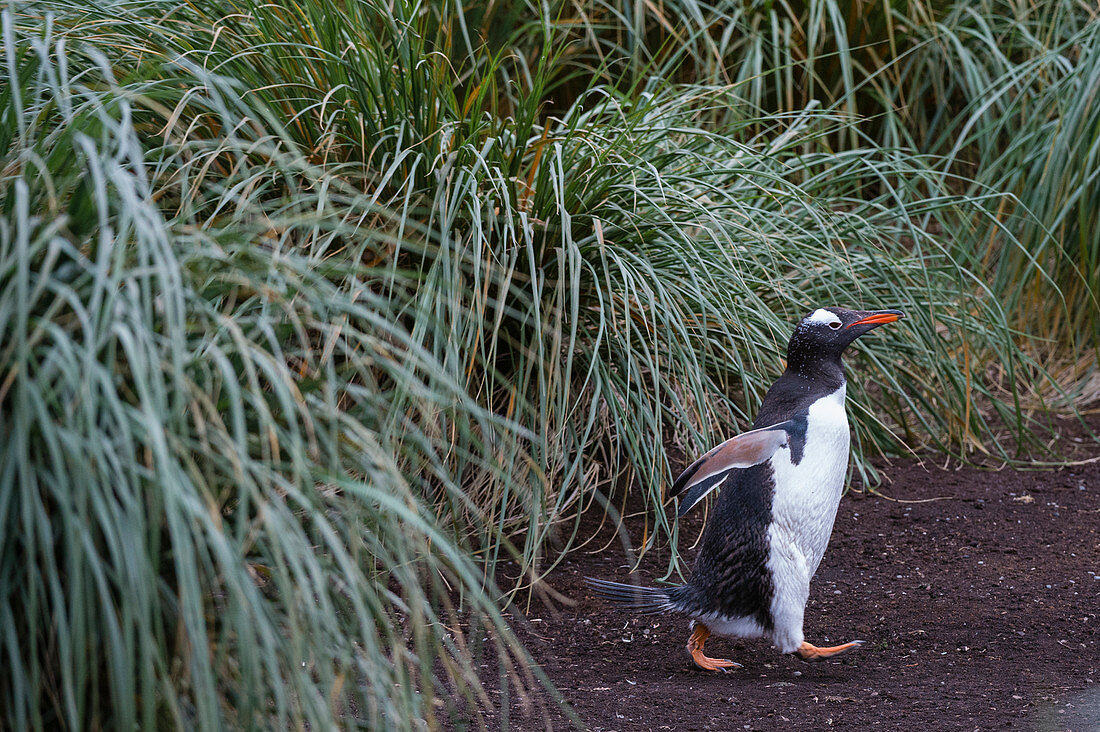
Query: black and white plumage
{"points": [[780, 488]]}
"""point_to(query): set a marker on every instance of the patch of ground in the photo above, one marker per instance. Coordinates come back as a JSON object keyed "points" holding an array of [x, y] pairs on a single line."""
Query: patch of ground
{"points": [[977, 592]]}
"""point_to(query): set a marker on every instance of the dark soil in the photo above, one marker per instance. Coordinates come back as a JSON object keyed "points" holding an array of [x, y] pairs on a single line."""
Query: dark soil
{"points": [[977, 593]]}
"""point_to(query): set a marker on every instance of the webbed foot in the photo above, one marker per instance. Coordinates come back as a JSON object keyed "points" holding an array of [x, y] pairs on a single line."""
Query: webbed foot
{"points": [[813, 653], [699, 635]]}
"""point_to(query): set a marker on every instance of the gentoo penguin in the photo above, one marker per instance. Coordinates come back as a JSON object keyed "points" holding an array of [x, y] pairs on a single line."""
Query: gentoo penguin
{"points": [[780, 488]]}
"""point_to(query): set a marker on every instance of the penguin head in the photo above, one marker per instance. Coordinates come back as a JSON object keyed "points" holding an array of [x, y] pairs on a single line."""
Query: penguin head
{"points": [[824, 334]]}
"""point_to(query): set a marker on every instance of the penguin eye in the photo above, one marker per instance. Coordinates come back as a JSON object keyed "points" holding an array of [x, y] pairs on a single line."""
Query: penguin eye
{"points": [[835, 325]]}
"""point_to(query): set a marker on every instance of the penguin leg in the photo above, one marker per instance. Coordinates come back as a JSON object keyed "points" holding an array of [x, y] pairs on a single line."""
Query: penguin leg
{"points": [[699, 635], [813, 653]]}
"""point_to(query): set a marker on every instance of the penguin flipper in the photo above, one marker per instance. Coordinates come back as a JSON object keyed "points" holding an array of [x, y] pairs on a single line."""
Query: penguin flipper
{"points": [[742, 451], [698, 491]]}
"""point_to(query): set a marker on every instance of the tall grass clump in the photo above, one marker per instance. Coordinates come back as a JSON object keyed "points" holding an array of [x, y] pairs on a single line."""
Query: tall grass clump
{"points": [[637, 258], [216, 440], [1025, 121], [999, 95], [1001, 92]]}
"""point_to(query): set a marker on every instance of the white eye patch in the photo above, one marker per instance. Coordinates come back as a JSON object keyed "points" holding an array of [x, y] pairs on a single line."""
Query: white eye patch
{"points": [[821, 316]]}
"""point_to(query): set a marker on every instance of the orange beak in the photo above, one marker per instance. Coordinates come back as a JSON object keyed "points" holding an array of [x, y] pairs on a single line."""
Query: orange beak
{"points": [[884, 316]]}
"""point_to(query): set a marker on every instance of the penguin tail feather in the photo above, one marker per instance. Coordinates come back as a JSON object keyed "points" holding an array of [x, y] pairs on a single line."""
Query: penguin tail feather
{"points": [[644, 600]]}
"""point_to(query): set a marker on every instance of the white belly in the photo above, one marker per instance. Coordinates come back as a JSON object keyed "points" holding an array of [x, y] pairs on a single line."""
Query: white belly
{"points": [[807, 494]]}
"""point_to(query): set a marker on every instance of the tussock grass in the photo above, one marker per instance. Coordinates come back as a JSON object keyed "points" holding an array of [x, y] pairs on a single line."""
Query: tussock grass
{"points": [[1001, 92], [217, 438], [1027, 124], [315, 313]]}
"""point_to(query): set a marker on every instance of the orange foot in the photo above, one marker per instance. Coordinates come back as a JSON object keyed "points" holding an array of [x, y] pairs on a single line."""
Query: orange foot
{"points": [[699, 636], [813, 653]]}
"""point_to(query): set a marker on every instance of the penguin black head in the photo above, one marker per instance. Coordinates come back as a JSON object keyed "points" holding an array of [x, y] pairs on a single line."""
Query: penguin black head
{"points": [[822, 336]]}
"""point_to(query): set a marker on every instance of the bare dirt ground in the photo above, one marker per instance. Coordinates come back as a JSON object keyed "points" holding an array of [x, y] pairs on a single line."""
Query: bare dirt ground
{"points": [[977, 593]]}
